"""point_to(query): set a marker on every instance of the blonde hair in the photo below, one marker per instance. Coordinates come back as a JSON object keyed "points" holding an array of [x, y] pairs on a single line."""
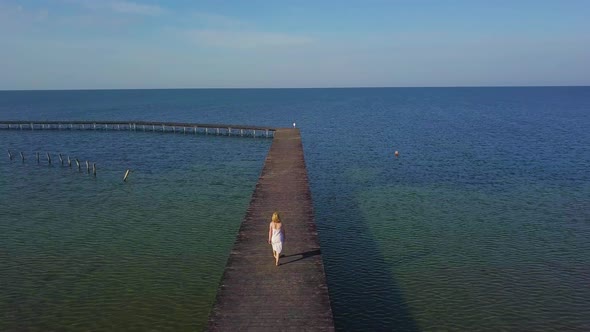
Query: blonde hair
{"points": [[276, 218]]}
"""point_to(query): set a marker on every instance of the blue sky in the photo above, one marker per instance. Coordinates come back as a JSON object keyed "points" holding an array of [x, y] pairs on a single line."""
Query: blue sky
{"points": [[93, 44]]}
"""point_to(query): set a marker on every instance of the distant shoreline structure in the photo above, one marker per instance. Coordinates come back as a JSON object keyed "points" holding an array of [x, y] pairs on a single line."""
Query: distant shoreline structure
{"points": [[146, 126]]}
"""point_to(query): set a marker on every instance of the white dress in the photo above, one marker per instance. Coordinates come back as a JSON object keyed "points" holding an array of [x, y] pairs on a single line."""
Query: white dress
{"points": [[277, 239]]}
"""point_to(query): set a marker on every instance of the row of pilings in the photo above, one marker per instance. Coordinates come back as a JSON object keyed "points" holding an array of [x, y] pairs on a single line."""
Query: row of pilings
{"points": [[47, 158], [162, 127]]}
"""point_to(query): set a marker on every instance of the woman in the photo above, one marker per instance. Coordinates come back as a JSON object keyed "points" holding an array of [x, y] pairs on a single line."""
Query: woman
{"points": [[276, 236]]}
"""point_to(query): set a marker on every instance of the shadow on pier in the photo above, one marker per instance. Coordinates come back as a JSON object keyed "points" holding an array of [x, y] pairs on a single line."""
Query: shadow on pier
{"points": [[297, 257]]}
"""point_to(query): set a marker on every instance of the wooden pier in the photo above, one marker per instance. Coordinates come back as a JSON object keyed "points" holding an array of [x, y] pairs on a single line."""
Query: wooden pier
{"points": [[254, 294], [163, 127]]}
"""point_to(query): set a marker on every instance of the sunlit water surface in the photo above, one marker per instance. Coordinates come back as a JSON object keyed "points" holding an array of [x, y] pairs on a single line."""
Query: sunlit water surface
{"points": [[481, 223]]}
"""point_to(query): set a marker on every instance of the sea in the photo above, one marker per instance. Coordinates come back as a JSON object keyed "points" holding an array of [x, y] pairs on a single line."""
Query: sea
{"points": [[481, 223]]}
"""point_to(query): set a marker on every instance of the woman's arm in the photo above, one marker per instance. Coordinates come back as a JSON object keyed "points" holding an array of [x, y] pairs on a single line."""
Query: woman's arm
{"points": [[269, 233]]}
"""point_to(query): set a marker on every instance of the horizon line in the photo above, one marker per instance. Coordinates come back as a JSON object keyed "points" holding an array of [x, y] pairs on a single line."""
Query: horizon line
{"points": [[304, 88]]}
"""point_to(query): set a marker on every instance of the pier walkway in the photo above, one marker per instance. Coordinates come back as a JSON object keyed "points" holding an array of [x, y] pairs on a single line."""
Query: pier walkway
{"points": [[254, 294]]}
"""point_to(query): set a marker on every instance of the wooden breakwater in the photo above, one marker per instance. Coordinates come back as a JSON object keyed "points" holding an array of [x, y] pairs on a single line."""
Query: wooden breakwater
{"points": [[254, 294], [165, 127]]}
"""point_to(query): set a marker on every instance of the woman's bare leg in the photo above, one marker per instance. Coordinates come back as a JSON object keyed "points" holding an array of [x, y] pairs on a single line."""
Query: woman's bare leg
{"points": [[277, 259]]}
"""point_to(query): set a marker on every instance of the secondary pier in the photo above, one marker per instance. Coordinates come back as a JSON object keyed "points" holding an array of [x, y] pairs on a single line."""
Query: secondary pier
{"points": [[254, 294], [164, 127]]}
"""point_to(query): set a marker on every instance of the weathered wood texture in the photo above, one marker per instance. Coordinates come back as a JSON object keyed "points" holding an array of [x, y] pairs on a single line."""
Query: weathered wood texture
{"points": [[256, 295]]}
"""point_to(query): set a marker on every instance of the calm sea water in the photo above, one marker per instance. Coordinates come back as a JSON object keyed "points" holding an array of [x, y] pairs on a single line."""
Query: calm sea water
{"points": [[481, 223]]}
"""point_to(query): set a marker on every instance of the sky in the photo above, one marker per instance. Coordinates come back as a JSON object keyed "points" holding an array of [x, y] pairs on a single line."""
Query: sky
{"points": [[120, 44]]}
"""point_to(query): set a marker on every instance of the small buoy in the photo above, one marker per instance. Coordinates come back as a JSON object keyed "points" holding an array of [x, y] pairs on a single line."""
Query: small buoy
{"points": [[126, 175], [397, 153]]}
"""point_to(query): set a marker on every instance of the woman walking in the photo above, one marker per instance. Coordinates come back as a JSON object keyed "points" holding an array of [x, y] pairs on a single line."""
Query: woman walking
{"points": [[276, 236]]}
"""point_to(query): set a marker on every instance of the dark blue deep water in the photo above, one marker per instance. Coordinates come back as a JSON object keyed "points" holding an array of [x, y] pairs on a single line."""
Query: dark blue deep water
{"points": [[481, 223]]}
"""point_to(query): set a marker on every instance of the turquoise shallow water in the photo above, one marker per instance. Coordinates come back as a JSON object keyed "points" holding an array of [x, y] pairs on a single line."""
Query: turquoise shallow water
{"points": [[482, 223], [85, 253]]}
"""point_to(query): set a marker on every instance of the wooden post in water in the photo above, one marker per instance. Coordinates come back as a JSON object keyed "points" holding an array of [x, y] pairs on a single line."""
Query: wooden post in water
{"points": [[126, 175], [37, 157], [87, 167], [61, 160], [9, 155], [94, 169], [22, 157], [48, 158], [69, 161], [78, 164]]}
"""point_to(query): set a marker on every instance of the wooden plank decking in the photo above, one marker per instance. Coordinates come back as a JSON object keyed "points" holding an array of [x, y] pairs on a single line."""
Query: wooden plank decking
{"points": [[254, 294]]}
